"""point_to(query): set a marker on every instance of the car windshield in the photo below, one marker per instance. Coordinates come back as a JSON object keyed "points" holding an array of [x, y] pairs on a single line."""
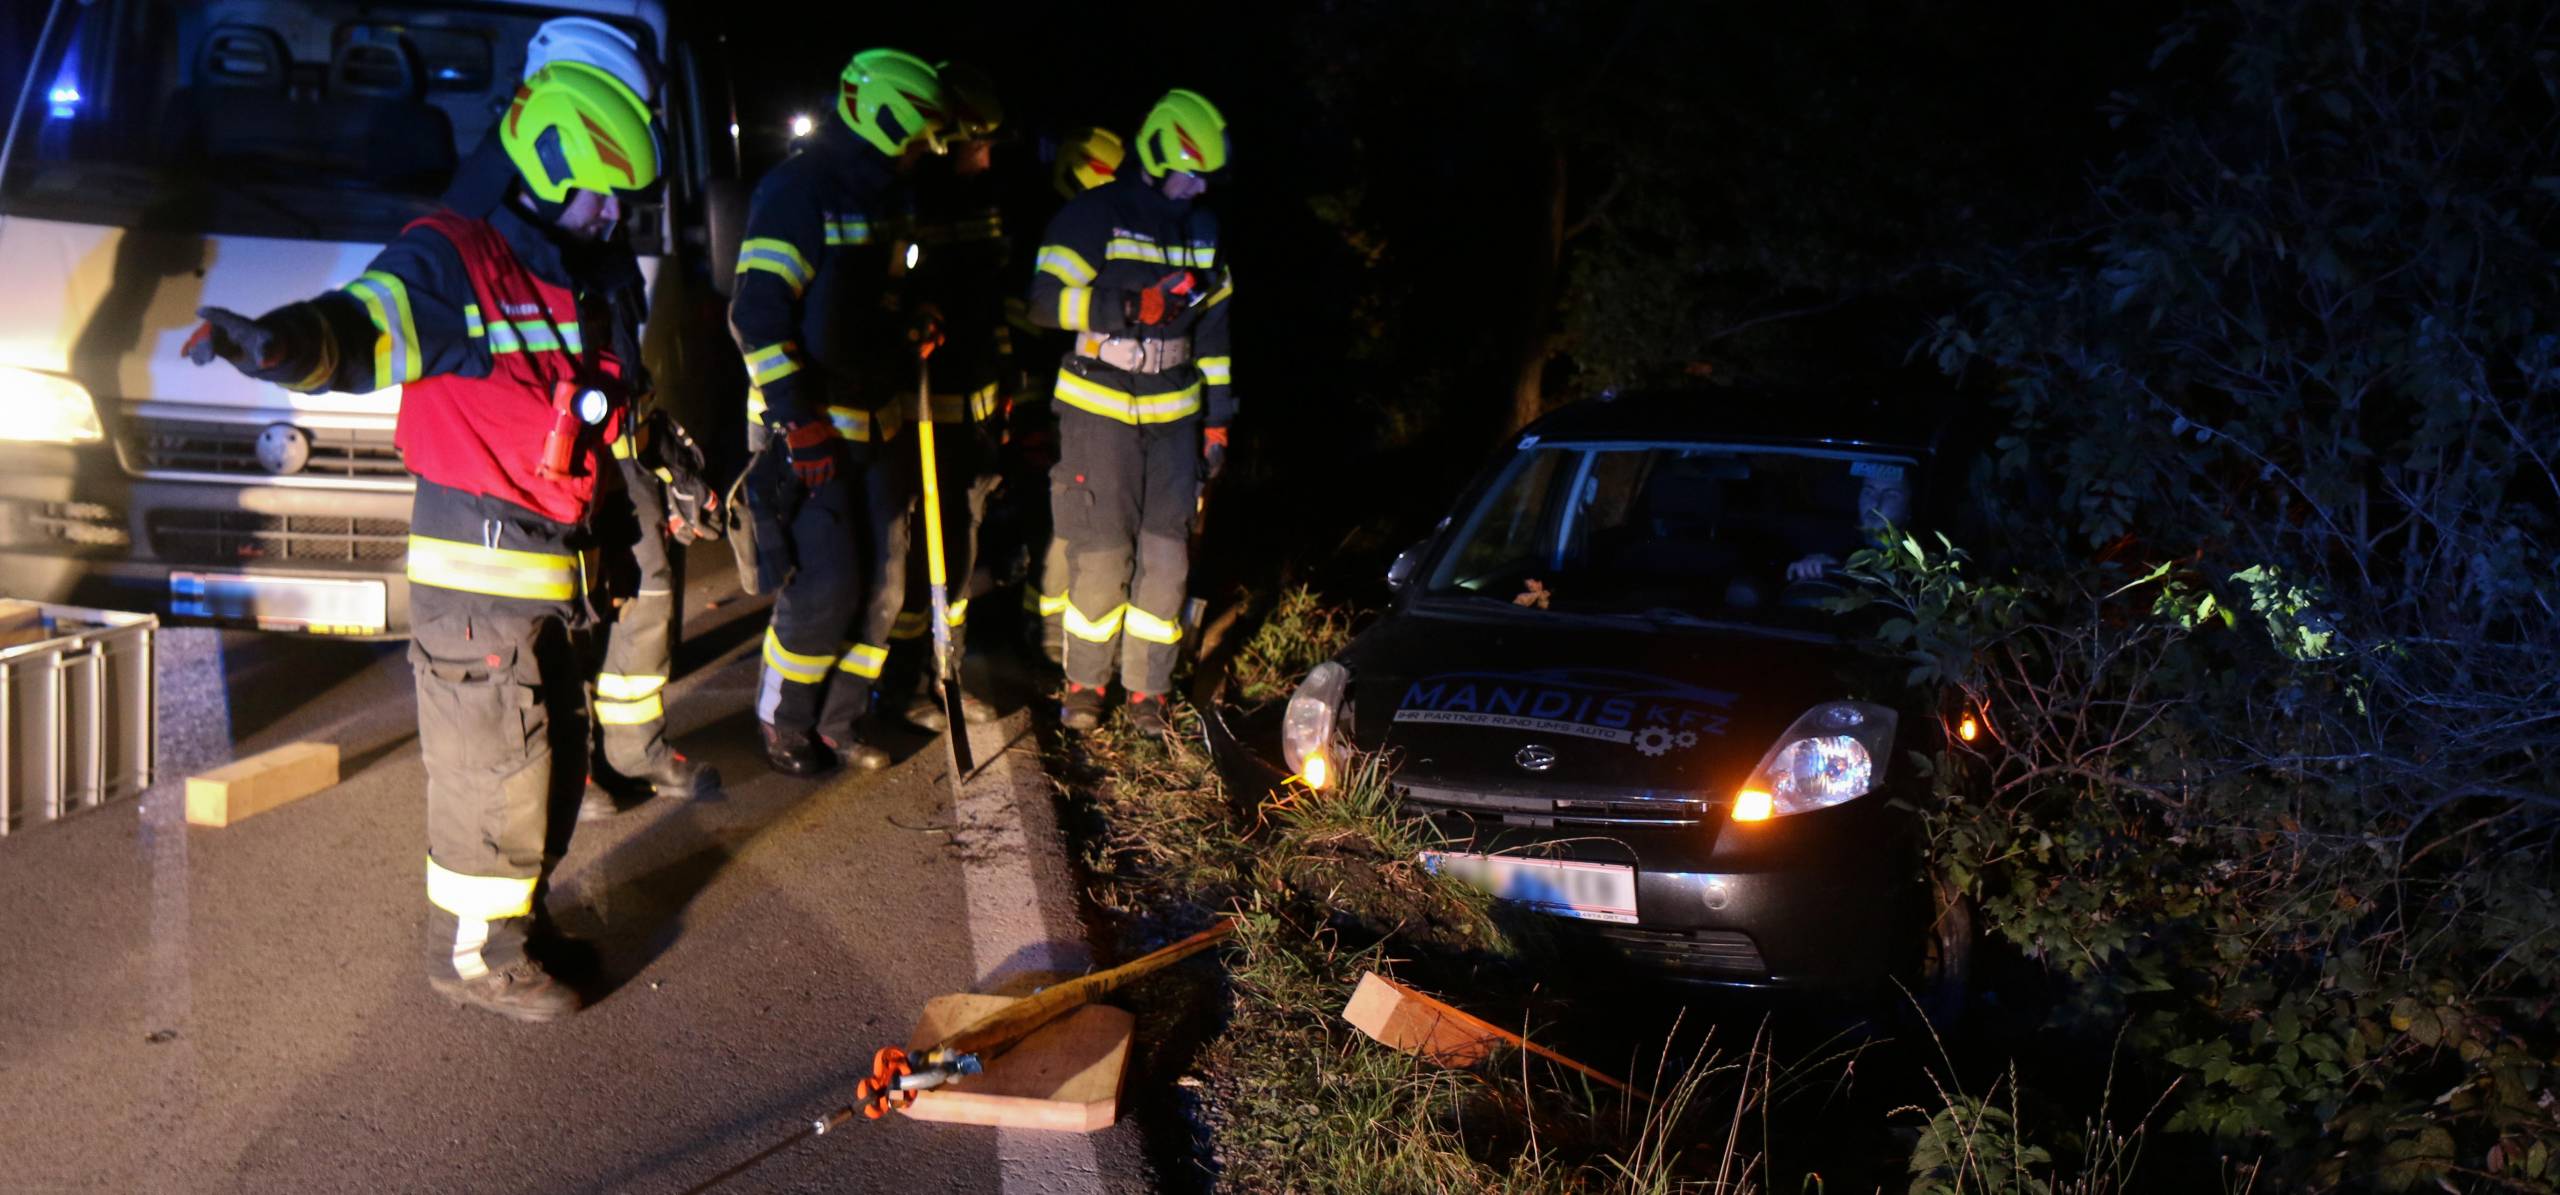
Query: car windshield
{"points": [[312, 119], [1673, 532]]}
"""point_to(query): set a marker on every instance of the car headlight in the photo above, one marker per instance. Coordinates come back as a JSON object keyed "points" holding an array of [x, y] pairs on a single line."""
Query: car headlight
{"points": [[1306, 730], [1836, 752], [44, 408]]}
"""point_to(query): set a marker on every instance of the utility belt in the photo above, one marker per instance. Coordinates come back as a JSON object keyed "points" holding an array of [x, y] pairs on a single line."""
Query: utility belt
{"points": [[1130, 354]]}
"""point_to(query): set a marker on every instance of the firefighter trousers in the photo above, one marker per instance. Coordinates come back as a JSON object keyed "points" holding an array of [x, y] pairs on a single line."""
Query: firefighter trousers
{"points": [[829, 639], [493, 593], [1121, 498], [630, 713], [965, 474]]}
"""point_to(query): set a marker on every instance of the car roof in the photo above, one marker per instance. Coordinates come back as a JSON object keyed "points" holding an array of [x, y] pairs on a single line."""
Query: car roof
{"points": [[1877, 419]]}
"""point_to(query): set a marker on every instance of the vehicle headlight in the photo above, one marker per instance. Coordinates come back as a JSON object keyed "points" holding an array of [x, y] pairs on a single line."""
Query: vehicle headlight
{"points": [[1306, 731], [44, 408], [1836, 752]]}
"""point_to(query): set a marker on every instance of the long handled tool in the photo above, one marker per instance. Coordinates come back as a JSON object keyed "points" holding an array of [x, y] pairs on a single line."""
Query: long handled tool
{"points": [[896, 1077], [946, 671]]}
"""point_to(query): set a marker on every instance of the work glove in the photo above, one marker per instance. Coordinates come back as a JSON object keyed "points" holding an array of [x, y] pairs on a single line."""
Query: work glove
{"points": [[693, 507], [1167, 298], [1213, 453], [813, 451], [248, 345]]}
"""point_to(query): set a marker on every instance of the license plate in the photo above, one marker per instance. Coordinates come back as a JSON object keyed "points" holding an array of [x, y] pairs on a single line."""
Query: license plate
{"points": [[1590, 891], [316, 604]]}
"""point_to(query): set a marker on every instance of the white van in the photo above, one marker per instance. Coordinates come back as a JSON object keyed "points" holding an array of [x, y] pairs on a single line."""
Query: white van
{"points": [[171, 154]]}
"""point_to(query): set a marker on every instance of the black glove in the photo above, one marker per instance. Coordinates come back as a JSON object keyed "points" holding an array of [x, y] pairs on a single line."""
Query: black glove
{"points": [[814, 446], [693, 507], [248, 345]]}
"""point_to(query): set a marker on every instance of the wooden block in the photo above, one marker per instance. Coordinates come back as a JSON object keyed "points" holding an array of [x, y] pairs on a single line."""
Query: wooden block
{"points": [[1064, 1077], [21, 622], [1404, 1019], [247, 787]]}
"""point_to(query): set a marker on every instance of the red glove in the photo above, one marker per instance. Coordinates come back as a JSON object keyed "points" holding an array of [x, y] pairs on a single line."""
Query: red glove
{"points": [[1170, 296], [813, 451], [1213, 451]]}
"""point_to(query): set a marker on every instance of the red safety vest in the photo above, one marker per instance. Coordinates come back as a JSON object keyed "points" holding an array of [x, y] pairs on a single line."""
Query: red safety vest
{"points": [[484, 435]]}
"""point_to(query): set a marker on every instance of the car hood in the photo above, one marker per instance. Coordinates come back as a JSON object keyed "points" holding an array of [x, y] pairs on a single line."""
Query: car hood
{"points": [[1481, 702]]}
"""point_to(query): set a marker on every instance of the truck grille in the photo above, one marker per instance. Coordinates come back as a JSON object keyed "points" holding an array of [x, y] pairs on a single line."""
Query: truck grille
{"points": [[1717, 953], [156, 445], [238, 536], [80, 525], [1556, 811]]}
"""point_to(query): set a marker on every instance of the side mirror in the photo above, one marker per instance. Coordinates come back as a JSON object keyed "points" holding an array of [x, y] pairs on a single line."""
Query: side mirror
{"points": [[724, 221], [1406, 561]]}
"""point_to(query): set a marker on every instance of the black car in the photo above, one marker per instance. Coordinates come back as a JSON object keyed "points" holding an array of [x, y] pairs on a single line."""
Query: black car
{"points": [[1614, 679]]}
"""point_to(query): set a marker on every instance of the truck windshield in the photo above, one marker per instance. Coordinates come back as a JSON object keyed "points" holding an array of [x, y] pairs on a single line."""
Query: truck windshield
{"points": [[1674, 532], [311, 119]]}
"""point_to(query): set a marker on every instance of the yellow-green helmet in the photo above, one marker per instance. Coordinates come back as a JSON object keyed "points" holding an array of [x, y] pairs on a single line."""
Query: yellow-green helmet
{"points": [[572, 127], [970, 94], [890, 98], [1087, 159], [1183, 132]]}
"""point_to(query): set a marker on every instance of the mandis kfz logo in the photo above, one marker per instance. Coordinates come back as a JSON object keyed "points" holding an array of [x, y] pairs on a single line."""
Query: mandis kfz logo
{"points": [[1652, 713]]}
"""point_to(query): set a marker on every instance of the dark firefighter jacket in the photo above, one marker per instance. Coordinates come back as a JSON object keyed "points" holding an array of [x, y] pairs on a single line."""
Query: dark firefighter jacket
{"points": [[1106, 245], [477, 345], [961, 272], [817, 310]]}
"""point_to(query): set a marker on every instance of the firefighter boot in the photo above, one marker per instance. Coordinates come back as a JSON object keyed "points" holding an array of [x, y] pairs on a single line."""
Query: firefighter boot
{"points": [[519, 991], [795, 754], [857, 754], [1147, 715], [926, 712], [1081, 708], [682, 778]]}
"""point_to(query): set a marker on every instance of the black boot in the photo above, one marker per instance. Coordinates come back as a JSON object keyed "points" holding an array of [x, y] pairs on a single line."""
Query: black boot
{"points": [[796, 754], [1081, 708], [519, 991], [926, 712], [858, 755], [1147, 715], [682, 778]]}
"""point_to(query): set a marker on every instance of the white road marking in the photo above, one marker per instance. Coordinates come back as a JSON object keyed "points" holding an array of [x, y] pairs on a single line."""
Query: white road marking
{"points": [[1021, 920]]}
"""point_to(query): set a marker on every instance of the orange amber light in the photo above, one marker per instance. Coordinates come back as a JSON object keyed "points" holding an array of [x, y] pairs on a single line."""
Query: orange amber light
{"points": [[1317, 773], [1753, 805], [1969, 729]]}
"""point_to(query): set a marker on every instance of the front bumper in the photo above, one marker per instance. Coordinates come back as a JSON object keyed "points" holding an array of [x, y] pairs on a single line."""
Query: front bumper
{"points": [[1819, 901], [76, 528]]}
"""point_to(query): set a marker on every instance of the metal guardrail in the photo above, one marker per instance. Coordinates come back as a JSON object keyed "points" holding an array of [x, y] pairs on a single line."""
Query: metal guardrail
{"points": [[76, 715]]}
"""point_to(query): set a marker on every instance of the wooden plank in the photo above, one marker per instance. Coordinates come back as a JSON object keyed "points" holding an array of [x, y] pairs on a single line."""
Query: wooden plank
{"points": [[1402, 1018], [1064, 1077], [248, 787]]}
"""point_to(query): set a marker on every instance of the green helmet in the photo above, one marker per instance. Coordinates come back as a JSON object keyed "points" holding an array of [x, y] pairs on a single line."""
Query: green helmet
{"points": [[890, 98], [1182, 132], [572, 127], [975, 109]]}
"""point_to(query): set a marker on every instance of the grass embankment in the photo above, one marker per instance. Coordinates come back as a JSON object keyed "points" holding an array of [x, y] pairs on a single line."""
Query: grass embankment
{"points": [[1282, 1095]]}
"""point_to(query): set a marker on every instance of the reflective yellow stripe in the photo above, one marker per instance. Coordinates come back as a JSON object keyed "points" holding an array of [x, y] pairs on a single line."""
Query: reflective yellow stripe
{"points": [[860, 426], [772, 363], [1143, 625], [478, 898], [778, 258], [863, 660], [957, 613], [953, 408], [1092, 630], [848, 230], [1085, 394], [1226, 289], [793, 666], [629, 713], [1217, 371], [1140, 249], [386, 304], [1052, 604], [910, 625], [1075, 308], [450, 564], [1064, 264], [616, 686], [624, 447]]}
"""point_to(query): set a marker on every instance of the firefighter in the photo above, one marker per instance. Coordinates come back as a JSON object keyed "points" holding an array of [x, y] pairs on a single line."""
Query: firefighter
{"points": [[1087, 158], [1144, 399], [501, 338], [820, 317], [960, 234]]}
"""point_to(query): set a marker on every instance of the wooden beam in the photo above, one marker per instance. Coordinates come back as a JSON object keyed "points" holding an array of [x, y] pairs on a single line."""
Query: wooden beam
{"points": [[1064, 1077], [248, 787]]}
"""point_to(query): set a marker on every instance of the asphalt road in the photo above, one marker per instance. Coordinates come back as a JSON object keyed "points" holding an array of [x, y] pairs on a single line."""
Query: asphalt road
{"points": [[186, 1009]]}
